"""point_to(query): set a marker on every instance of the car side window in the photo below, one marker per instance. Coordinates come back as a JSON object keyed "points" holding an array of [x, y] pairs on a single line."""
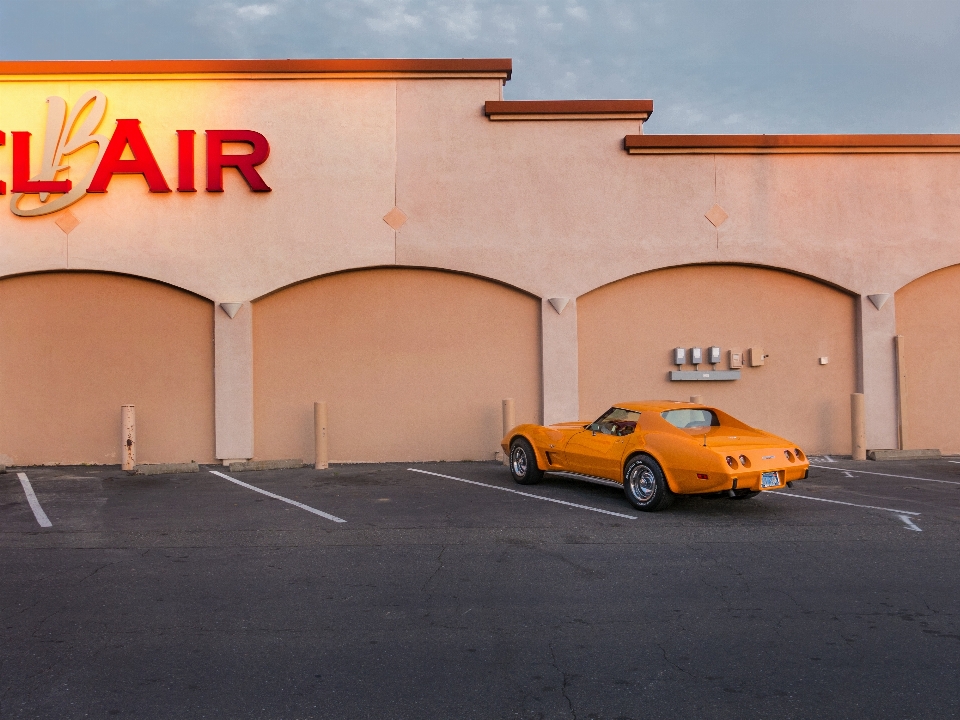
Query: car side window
{"points": [[616, 421]]}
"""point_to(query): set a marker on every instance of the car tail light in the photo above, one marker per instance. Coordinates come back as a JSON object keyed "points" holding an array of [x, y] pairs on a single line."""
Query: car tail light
{"points": [[744, 461], [701, 476], [731, 462], [796, 451], [788, 455]]}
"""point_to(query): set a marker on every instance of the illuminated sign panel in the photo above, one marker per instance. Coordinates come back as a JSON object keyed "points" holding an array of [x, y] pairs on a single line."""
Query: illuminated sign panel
{"points": [[66, 134]]}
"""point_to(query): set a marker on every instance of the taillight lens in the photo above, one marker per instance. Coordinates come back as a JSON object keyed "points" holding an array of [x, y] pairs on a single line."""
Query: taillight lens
{"points": [[731, 462], [796, 451], [788, 455], [744, 461]]}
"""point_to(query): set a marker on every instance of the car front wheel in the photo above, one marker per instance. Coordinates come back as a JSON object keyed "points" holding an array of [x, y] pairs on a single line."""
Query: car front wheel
{"points": [[523, 463], [645, 485]]}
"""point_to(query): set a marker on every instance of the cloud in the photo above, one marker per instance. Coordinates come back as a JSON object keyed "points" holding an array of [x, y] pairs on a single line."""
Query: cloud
{"points": [[709, 65], [256, 12]]}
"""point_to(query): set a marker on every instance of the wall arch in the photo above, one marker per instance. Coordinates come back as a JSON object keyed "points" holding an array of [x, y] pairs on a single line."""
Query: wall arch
{"points": [[627, 330], [413, 364], [928, 317], [78, 345]]}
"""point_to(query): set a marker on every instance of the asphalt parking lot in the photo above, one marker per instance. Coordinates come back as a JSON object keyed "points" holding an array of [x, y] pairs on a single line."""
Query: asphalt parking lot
{"points": [[192, 596]]}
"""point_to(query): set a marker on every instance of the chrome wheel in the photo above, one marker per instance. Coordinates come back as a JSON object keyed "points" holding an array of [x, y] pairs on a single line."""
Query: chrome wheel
{"points": [[518, 461], [642, 482], [523, 462]]}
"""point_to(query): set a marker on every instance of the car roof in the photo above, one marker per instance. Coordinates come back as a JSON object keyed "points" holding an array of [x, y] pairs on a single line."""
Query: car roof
{"points": [[657, 405]]}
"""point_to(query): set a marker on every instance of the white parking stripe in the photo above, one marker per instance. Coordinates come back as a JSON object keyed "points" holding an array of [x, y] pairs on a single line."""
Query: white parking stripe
{"points": [[838, 502], [904, 477], [280, 497], [909, 523], [38, 512], [529, 495]]}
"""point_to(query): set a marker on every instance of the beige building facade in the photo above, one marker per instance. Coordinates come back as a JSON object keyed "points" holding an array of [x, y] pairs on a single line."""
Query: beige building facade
{"points": [[240, 239]]}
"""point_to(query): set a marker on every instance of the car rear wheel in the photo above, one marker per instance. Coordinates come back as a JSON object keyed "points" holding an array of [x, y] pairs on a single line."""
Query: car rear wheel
{"points": [[523, 463], [645, 485]]}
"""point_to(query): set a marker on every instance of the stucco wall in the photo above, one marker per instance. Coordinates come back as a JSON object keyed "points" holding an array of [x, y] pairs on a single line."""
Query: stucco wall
{"points": [[413, 365], [928, 317], [77, 346], [628, 330]]}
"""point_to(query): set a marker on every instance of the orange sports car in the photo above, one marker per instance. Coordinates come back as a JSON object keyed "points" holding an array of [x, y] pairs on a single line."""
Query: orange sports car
{"points": [[657, 450]]}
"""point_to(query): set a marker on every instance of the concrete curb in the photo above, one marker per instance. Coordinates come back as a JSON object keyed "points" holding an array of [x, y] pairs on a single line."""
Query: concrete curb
{"points": [[266, 465], [166, 469], [879, 455]]}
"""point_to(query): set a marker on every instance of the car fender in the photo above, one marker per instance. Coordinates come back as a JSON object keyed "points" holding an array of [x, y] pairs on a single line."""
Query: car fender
{"points": [[644, 450], [533, 434]]}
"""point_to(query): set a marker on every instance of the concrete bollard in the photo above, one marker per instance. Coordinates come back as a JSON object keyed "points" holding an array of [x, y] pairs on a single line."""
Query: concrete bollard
{"points": [[128, 450], [698, 399], [858, 428], [901, 391], [320, 435], [509, 423]]}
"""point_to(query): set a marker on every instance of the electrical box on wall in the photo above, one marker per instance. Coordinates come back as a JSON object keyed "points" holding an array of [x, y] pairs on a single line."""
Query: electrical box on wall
{"points": [[756, 356], [679, 356], [713, 354], [696, 355], [736, 359]]}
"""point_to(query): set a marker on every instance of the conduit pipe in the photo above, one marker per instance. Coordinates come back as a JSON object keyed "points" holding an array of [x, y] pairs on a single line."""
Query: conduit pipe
{"points": [[858, 427]]}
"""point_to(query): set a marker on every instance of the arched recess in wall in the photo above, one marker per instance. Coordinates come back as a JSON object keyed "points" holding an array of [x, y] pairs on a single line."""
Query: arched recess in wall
{"points": [[78, 345], [628, 329], [928, 317], [413, 365]]}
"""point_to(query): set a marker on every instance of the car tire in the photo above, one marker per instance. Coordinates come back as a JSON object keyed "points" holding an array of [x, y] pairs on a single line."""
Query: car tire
{"points": [[523, 463], [645, 485]]}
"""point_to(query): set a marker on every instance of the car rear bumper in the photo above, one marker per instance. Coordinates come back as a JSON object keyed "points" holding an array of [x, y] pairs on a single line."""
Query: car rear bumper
{"points": [[743, 480]]}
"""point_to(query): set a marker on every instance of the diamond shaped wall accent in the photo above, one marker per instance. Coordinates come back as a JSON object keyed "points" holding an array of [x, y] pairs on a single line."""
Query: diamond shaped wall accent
{"points": [[395, 218], [716, 215], [67, 222]]}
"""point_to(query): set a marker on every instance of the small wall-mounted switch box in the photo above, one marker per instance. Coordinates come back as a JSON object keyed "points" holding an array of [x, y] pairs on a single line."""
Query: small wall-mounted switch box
{"points": [[824, 360], [679, 356], [713, 354], [756, 356], [736, 359], [696, 355]]}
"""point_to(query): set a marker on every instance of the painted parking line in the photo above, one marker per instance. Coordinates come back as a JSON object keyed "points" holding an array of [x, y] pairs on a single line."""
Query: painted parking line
{"points": [[839, 502], [38, 512], [903, 477], [529, 495], [280, 497], [905, 515]]}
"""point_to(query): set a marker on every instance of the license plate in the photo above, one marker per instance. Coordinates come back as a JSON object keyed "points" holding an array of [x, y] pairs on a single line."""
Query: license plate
{"points": [[769, 479]]}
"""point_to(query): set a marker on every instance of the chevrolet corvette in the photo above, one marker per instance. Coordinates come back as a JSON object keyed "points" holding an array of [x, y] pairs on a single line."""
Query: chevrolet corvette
{"points": [[658, 450]]}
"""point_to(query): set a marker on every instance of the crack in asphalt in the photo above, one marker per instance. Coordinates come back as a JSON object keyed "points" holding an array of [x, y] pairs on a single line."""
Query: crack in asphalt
{"points": [[565, 683], [437, 571]]}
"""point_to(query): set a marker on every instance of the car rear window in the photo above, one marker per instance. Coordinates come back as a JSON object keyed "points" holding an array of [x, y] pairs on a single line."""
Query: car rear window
{"points": [[691, 418]]}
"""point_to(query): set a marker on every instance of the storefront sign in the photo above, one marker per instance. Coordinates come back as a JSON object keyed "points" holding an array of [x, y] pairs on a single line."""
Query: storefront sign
{"points": [[66, 134]]}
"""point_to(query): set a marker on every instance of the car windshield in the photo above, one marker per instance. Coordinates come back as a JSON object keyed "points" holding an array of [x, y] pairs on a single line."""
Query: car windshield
{"points": [[615, 421], [691, 418]]}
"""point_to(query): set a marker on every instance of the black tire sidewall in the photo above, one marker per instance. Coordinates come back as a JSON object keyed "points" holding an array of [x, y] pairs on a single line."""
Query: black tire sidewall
{"points": [[661, 495], [533, 474]]}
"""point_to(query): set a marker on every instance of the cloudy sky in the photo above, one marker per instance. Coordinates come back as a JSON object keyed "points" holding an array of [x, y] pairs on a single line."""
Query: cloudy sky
{"points": [[730, 66]]}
